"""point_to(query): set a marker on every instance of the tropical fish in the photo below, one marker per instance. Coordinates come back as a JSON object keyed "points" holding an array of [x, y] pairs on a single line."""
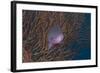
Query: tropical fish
{"points": [[55, 36]]}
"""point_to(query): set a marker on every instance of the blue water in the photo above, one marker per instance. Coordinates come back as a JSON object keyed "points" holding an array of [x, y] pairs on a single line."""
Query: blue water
{"points": [[82, 44]]}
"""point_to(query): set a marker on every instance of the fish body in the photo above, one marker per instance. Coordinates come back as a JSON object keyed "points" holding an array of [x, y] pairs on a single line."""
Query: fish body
{"points": [[55, 36]]}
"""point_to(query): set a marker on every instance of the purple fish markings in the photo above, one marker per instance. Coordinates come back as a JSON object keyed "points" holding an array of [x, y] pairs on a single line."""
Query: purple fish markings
{"points": [[57, 39]]}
